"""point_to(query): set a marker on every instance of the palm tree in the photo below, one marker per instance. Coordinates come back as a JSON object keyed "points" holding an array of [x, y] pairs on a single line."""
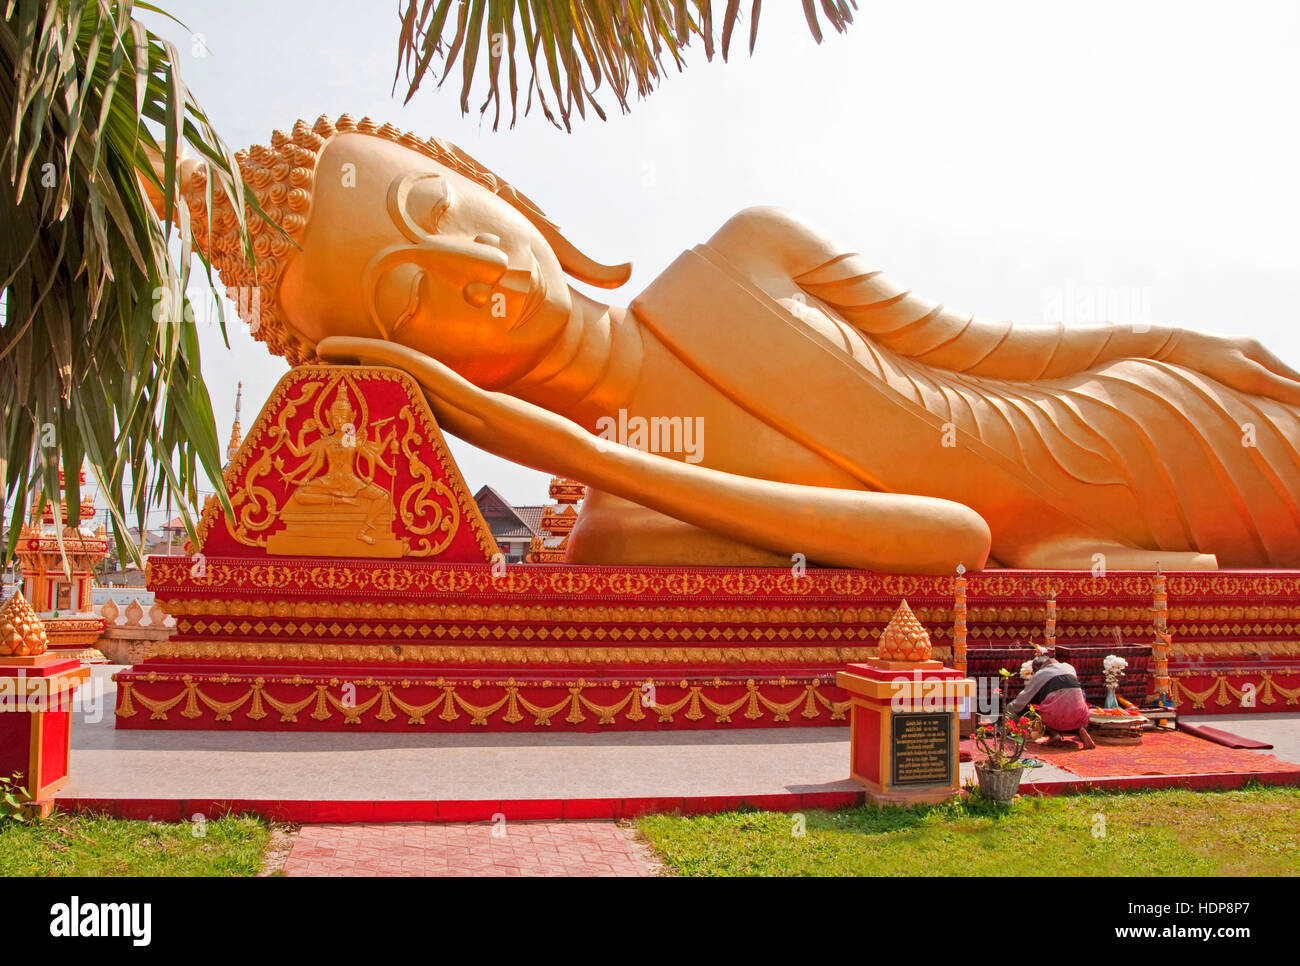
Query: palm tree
{"points": [[572, 47], [99, 359]]}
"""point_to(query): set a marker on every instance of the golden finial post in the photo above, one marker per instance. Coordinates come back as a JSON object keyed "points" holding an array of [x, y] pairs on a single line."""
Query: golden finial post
{"points": [[905, 717], [959, 620]]}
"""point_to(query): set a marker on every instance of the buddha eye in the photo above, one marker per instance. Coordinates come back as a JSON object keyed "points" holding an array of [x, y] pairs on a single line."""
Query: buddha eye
{"points": [[439, 208], [418, 202]]}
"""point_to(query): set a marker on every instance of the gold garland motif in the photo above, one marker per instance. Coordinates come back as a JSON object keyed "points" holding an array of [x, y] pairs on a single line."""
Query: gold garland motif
{"points": [[1268, 689], [632, 706]]}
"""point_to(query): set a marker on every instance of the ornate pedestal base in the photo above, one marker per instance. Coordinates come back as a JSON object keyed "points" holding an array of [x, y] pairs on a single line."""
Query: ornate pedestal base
{"points": [[35, 721], [904, 729], [75, 636], [357, 586]]}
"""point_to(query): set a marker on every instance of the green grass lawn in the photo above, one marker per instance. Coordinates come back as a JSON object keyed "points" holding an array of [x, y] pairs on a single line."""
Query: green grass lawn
{"points": [[76, 844], [1167, 833], [1170, 833]]}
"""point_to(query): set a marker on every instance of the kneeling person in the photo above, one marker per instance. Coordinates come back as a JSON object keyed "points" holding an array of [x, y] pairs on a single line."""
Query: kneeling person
{"points": [[1055, 689]]}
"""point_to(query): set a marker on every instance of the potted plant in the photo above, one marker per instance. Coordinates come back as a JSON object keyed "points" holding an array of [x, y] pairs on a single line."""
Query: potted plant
{"points": [[1003, 746]]}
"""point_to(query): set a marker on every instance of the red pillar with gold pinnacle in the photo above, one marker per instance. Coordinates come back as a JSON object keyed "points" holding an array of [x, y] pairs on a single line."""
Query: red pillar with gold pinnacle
{"points": [[36, 690], [905, 714]]}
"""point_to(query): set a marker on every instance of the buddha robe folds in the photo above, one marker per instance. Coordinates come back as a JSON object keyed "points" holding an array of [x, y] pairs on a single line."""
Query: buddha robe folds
{"points": [[1137, 452]]}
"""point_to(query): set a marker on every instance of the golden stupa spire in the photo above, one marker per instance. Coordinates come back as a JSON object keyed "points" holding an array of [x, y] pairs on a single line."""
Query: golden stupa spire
{"points": [[235, 437], [22, 634], [905, 637]]}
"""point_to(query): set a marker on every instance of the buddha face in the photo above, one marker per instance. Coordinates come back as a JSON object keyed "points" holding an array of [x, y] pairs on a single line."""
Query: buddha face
{"points": [[399, 247]]}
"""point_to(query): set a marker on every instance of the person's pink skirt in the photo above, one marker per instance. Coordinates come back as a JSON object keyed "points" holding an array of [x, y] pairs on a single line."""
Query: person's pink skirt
{"points": [[1064, 710]]}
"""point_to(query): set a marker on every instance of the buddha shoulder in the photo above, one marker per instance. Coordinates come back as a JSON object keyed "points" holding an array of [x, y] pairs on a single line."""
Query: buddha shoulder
{"points": [[766, 239]]}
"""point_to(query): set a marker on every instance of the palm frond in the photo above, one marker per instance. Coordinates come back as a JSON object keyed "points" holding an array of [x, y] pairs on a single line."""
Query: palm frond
{"points": [[99, 355], [583, 44]]}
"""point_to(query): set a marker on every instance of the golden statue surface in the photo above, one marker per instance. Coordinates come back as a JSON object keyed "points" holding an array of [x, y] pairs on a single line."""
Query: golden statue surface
{"points": [[836, 414]]}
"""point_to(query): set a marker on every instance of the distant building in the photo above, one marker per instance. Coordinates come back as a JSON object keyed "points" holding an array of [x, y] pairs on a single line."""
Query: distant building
{"points": [[513, 526], [171, 537], [59, 561], [116, 575]]}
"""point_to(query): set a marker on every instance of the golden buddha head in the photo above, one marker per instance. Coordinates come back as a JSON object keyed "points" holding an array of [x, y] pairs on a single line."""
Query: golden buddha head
{"points": [[385, 235]]}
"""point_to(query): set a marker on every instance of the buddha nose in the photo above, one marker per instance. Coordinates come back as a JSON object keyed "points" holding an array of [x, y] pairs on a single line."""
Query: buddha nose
{"points": [[479, 263], [477, 292]]}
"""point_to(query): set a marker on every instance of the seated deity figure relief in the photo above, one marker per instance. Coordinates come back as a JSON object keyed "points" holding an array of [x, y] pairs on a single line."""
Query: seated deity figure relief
{"points": [[334, 501], [843, 417]]}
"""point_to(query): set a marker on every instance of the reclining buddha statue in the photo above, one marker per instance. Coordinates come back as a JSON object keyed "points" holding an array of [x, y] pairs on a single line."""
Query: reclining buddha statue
{"points": [[843, 417]]}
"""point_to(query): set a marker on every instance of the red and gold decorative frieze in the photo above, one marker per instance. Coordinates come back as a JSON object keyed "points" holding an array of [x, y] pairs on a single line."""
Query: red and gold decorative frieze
{"points": [[328, 600], [1240, 690], [304, 702]]}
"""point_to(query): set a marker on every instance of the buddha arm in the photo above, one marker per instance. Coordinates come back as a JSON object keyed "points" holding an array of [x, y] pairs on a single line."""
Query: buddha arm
{"points": [[836, 527], [774, 247]]}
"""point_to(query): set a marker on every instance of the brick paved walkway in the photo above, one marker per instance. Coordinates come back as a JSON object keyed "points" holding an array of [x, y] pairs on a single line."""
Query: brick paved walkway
{"points": [[483, 849]]}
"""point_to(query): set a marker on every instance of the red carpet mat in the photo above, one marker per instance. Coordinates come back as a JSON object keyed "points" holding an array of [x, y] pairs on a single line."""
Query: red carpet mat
{"points": [[1161, 753], [1225, 738]]}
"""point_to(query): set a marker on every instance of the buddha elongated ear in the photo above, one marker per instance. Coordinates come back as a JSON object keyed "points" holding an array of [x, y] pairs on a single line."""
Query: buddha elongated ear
{"points": [[580, 266]]}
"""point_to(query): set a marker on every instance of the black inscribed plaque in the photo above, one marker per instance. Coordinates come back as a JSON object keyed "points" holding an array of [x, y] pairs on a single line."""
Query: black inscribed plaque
{"points": [[920, 748]]}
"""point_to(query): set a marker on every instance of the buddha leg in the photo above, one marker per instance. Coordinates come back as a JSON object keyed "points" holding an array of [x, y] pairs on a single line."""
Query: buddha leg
{"points": [[614, 531], [1083, 554]]}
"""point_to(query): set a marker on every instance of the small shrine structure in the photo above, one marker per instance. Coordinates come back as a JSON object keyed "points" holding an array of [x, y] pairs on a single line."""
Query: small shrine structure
{"points": [[58, 566]]}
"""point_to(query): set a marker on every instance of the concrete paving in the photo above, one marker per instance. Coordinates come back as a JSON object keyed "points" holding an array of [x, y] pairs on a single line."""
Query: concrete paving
{"points": [[107, 763]]}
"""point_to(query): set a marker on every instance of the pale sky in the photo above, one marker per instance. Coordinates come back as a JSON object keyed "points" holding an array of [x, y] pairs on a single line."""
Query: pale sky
{"points": [[1034, 161]]}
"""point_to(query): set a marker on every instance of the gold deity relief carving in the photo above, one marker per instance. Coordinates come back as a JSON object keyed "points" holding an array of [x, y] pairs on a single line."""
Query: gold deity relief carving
{"points": [[428, 509], [333, 480]]}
